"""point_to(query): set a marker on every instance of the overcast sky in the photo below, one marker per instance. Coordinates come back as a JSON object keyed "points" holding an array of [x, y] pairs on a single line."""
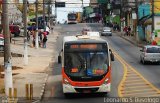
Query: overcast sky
{"points": [[77, 7], [62, 12]]}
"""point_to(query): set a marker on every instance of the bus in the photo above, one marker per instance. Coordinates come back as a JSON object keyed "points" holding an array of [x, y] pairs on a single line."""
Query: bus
{"points": [[79, 17], [72, 18], [86, 64]]}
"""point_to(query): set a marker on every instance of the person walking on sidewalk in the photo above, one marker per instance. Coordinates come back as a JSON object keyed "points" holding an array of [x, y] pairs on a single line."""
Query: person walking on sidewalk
{"points": [[47, 30], [44, 39], [34, 38], [129, 31], [40, 41], [125, 29]]}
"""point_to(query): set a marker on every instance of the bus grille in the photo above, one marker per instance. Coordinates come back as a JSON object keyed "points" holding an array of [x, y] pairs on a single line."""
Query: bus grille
{"points": [[90, 90]]}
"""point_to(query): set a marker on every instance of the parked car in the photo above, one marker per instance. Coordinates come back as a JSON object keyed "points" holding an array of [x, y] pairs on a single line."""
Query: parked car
{"points": [[106, 31], [1, 42], [14, 29], [150, 53]]}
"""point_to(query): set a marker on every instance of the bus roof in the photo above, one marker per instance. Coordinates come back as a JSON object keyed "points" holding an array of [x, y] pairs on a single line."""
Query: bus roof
{"points": [[83, 39]]}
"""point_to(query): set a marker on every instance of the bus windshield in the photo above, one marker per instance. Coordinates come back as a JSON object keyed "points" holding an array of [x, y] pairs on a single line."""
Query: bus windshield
{"points": [[86, 64], [71, 16]]}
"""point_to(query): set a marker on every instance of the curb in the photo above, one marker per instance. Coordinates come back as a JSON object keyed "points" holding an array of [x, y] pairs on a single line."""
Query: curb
{"points": [[44, 84], [132, 42], [43, 89]]}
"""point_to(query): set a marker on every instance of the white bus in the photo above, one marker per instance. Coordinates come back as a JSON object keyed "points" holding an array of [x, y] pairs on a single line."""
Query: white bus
{"points": [[86, 64]]}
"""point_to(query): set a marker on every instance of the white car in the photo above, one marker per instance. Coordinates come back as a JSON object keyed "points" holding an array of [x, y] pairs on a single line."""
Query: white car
{"points": [[150, 53], [106, 31]]}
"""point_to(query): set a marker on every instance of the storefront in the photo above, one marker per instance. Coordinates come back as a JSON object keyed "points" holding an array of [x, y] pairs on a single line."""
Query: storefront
{"points": [[95, 17]]}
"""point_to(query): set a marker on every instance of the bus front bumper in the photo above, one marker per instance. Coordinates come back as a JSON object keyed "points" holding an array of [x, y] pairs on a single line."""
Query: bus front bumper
{"points": [[104, 88]]}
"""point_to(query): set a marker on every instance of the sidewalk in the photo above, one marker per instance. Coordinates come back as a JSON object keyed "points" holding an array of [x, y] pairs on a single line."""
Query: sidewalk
{"points": [[34, 72], [131, 39]]}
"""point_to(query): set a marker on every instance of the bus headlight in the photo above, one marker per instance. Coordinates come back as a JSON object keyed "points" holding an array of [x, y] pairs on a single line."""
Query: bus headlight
{"points": [[106, 81], [65, 81]]}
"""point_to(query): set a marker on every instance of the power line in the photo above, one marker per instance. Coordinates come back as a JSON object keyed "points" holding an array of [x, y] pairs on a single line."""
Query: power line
{"points": [[54, 3]]}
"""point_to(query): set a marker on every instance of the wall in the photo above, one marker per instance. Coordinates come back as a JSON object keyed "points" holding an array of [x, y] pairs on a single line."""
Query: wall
{"points": [[148, 31], [143, 10], [141, 33], [157, 22]]}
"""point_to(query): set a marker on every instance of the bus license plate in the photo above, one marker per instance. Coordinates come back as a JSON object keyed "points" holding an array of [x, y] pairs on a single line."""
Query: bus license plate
{"points": [[86, 91]]}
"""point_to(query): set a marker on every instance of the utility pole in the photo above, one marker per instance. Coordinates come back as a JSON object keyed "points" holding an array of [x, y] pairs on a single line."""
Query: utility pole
{"points": [[82, 10], [55, 10], [25, 32], [137, 22], [36, 41], [44, 16], [49, 11], [82, 5], [153, 16], [7, 52], [121, 16]]}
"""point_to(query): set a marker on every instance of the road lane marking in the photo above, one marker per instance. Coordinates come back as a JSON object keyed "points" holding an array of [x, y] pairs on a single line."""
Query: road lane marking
{"points": [[145, 79], [132, 77], [140, 93], [137, 86], [128, 68], [135, 83], [135, 80], [132, 74], [131, 91]]}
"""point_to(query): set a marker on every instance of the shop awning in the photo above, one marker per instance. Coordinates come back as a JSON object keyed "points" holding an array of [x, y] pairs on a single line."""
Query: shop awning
{"points": [[148, 22]]}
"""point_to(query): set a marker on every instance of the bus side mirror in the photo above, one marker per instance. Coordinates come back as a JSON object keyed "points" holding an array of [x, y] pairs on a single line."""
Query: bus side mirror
{"points": [[111, 55], [59, 59]]}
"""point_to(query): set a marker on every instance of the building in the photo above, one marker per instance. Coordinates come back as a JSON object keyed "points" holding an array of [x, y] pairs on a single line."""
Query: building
{"points": [[148, 29], [96, 15], [15, 15], [63, 7], [129, 14]]}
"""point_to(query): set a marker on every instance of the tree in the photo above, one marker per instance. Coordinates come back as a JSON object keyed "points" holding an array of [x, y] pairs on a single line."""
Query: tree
{"points": [[31, 8]]}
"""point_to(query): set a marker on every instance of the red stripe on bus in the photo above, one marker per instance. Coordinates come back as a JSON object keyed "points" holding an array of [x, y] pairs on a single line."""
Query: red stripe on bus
{"points": [[89, 83]]}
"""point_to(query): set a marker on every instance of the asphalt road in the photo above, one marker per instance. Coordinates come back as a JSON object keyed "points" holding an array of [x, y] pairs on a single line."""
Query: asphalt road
{"points": [[129, 52]]}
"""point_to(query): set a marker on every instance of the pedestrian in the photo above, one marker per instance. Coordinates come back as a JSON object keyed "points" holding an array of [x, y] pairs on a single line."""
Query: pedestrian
{"points": [[125, 29], [33, 38], [40, 41], [154, 42], [129, 31], [28, 35], [114, 27], [44, 39], [118, 28], [47, 30]]}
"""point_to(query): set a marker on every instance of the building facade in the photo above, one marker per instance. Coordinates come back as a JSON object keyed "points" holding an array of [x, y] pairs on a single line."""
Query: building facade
{"points": [[15, 15]]}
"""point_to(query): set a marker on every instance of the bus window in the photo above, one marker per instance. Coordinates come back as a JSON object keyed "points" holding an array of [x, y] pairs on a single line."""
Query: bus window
{"points": [[86, 64]]}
